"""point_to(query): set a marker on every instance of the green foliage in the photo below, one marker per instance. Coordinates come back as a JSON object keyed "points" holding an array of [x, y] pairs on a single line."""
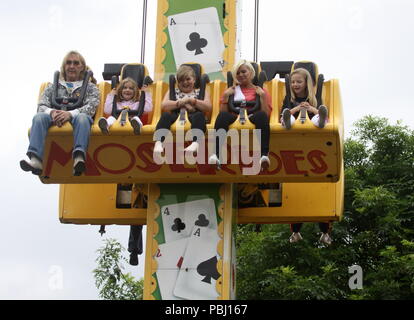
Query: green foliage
{"points": [[109, 278], [376, 231]]}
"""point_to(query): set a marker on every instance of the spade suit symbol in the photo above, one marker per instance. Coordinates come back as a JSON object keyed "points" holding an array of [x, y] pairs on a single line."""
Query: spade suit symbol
{"points": [[196, 43], [208, 269], [178, 225]]}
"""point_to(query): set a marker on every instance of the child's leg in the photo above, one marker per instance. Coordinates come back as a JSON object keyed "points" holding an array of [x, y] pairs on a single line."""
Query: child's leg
{"points": [[295, 227], [165, 122]]}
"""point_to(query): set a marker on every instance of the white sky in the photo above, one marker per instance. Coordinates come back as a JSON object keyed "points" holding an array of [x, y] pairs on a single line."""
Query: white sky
{"points": [[366, 44]]}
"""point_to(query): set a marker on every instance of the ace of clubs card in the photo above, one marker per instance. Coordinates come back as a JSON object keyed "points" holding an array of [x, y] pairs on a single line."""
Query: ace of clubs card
{"points": [[179, 219], [196, 37], [198, 274]]}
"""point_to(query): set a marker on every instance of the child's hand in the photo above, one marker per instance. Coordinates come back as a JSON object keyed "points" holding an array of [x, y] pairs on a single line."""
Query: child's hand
{"points": [[113, 91], [228, 92], [189, 108], [145, 88]]}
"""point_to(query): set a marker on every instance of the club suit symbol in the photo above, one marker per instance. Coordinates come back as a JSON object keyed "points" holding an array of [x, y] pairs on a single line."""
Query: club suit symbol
{"points": [[208, 269], [196, 43], [202, 221], [178, 225]]}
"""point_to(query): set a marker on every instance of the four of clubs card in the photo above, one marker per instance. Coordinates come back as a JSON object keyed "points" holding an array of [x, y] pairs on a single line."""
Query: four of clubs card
{"points": [[196, 37]]}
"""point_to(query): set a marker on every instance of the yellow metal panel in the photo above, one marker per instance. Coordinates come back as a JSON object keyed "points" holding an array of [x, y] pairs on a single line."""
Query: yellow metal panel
{"points": [[95, 204]]}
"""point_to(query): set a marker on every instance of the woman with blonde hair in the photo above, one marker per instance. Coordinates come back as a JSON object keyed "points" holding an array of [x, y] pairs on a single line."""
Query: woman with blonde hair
{"points": [[243, 89]]}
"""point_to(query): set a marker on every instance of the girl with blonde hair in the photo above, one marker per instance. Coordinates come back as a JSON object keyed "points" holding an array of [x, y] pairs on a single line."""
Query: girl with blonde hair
{"points": [[302, 96]]}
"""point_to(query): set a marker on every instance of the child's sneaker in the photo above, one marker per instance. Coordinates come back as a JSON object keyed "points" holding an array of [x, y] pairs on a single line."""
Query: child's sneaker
{"points": [[326, 239], [192, 148], [323, 114], [295, 237], [286, 118], [103, 125], [214, 161], [136, 124]]}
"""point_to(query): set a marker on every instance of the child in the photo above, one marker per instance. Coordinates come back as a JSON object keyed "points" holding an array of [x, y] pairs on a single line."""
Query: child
{"points": [[302, 96], [243, 74], [126, 97], [186, 96], [323, 226]]}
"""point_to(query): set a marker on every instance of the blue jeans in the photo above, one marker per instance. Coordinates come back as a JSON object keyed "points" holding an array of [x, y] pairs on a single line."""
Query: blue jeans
{"points": [[42, 122]]}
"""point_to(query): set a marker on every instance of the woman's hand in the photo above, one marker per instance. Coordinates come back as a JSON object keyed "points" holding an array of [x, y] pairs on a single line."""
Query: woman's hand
{"points": [[260, 92]]}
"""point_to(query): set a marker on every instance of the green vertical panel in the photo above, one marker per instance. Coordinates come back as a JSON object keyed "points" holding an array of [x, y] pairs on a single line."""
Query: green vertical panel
{"points": [[171, 194]]}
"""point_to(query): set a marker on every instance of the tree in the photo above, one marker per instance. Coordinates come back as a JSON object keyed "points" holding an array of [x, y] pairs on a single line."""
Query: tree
{"points": [[376, 232], [109, 278]]}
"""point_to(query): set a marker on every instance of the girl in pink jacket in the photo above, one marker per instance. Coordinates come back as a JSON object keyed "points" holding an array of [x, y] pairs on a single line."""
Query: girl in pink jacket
{"points": [[127, 97]]}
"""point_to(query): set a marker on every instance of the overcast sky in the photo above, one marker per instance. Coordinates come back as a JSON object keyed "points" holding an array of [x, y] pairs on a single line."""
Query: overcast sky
{"points": [[366, 44]]}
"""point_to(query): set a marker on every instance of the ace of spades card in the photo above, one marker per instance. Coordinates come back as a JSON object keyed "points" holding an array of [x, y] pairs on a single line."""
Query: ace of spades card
{"points": [[196, 37], [198, 274], [179, 219]]}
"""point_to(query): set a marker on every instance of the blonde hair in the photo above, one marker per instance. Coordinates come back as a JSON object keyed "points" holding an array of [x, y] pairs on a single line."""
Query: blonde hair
{"points": [[243, 63], [81, 59], [310, 90], [184, 72], [121, 86]]}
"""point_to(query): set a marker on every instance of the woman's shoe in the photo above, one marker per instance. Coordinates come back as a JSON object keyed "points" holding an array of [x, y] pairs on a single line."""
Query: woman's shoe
{"points": [[264, 163]]}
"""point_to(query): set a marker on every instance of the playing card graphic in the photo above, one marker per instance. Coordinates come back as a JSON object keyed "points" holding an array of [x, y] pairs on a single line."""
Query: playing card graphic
{"points": [[179, 219], [196, 36], [169, 258], [198, 274], [208, 269]]}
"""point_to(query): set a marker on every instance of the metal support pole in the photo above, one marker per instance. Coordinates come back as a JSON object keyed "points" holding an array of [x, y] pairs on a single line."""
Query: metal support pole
{"points": [[144, 30], [256, 30]]}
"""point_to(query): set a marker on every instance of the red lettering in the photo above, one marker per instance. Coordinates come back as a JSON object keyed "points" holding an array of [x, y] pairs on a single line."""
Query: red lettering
{"points": [[278, 167], [57, 154], [118, 146], [290, 159], [145, 152], [320, 167]]}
